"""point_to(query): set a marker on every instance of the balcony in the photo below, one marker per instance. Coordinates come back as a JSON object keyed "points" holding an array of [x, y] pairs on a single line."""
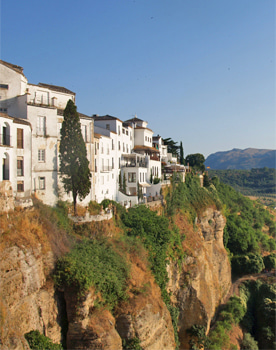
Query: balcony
{"points": [[135, 164], [106, 169]]}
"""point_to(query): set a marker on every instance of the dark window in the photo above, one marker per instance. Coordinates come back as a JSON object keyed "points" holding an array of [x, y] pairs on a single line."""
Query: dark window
{"points": [[4, 86], [20, 135], [131, 177], [20, 167], [20, 186]]}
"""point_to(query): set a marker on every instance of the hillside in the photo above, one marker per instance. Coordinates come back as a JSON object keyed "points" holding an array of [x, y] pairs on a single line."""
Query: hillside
{"points": [[242, 159], [254, 182]]}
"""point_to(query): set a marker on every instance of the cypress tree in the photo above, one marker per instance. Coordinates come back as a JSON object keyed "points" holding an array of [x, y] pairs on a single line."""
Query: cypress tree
{"points": [[73, 156], [181, 153]]}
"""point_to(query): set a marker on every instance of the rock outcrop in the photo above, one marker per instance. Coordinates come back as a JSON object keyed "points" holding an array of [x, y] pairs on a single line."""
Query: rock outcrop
{"points": [[145, 315], [204, 278], [28, 300]]}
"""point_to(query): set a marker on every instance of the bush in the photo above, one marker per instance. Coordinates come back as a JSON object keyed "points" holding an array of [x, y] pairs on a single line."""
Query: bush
{"points": [[270, 261], [249, 343], [38, 341], [247, 264], [132, 344], [95, 263], [94, 208]]}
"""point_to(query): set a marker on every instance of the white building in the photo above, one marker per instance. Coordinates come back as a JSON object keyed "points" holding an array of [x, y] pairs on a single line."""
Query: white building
{"points": [[143, 145], [115, 149], [42, 105], [15, 154], [115, 139]]}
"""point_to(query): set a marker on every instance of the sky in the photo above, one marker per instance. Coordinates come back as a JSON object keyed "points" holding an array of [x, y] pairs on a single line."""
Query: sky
{"points": [[198, 71]]}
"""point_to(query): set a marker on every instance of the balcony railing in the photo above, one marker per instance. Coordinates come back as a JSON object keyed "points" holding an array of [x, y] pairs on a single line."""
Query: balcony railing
{"points": [[40, 131], [5, 140], [106, 168]]}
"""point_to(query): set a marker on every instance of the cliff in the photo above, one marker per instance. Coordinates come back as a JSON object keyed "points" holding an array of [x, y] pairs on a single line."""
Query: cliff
{"points": [[29, 299], [204, 278]]}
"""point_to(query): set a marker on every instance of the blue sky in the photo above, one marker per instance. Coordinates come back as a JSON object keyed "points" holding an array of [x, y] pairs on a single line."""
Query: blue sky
{"points": [[199, 71]]}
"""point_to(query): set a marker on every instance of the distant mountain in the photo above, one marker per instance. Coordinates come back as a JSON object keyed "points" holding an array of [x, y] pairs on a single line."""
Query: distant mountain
{"points": [[242, 159]]}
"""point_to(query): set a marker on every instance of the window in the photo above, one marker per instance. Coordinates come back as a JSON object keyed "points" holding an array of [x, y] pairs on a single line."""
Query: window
{"points": [[112, 163], [123, 147], [119, 131], [123, 131], [127, 148], [20, 138], [119, 145], [3, 110], [4, 86], [41, 126], [96, 165], [96, 147], [84, 132], [119, 162], [20, 186], [131, 177], [108, 126], [41, 155], [127, 132], [41, 183], [20, 166], [112, 145]]}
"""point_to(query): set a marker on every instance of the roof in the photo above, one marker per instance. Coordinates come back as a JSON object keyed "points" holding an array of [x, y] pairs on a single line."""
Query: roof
{"points": [[105, 117], [135, 119], [56, 88], [14, 67], [15, 120], [84, 116], [141, 127], [145, 148]]}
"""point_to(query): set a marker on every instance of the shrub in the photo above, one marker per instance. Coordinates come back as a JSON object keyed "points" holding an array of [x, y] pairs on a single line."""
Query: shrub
{"points": [[249, 343], [95, 263], [38, 341], [132, 344], [270, 261], [94, 208], [247, 264]]}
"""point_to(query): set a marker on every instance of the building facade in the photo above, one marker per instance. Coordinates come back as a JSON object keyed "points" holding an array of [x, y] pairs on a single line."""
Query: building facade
{"points": [[124, 156]]}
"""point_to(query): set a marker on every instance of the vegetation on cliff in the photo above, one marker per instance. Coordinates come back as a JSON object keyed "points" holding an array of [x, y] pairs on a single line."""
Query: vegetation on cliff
{"points": [[250, 230], [254, 182], [99, 255]]}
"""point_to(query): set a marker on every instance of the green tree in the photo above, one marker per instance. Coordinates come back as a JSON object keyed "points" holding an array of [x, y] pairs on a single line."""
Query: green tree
{"points": [[181, 154], [196, 161], [249, 343], [73, 156], [171, 146]]}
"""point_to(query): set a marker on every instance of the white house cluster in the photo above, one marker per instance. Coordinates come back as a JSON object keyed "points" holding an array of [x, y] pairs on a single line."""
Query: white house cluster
{"points": [[30, 121]]}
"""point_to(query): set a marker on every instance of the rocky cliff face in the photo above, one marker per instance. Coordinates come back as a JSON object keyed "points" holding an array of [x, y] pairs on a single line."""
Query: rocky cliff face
{"points": [[29, 300], [143, 316], [204, 278]]}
